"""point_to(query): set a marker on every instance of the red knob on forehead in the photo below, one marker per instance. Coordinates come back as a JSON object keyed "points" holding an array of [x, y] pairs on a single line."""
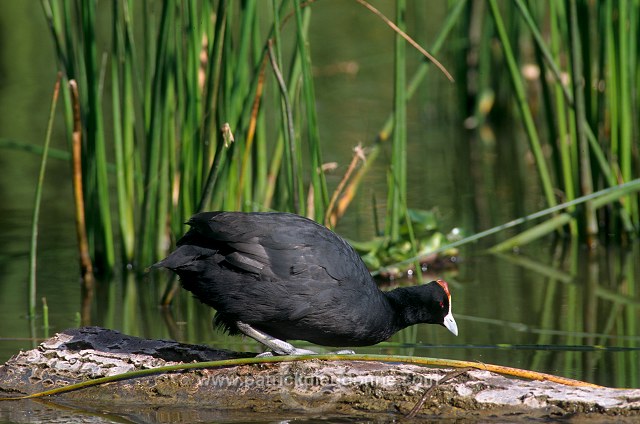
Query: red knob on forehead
{"points": [[444, 286]]}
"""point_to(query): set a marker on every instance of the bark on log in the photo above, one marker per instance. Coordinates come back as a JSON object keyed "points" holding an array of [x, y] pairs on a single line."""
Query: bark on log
{"points": [[285, 390]]}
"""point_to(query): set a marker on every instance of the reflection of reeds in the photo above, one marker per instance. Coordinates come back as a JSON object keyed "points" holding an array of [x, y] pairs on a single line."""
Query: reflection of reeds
{"points": [[597, 307], [563, 310]]}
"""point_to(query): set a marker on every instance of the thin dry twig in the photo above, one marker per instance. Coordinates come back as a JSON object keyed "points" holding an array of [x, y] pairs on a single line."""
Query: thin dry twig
{"points": [[406, 37], [394, 27], [430, 390], [331, 217]]}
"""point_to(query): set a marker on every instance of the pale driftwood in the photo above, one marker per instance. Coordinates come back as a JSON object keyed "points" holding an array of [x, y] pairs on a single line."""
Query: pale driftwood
{"points": [[311, 387]]}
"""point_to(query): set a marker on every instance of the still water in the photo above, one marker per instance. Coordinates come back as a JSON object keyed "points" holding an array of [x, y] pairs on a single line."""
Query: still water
{"points": [[552, 307]]}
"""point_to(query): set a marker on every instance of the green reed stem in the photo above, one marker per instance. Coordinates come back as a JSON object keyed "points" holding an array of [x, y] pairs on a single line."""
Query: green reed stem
{"points": [[321, 194], [534, 233], [122, 121], [154, 137], [97, 192], [33, 249], [562, 97], [580, 116], [628, 107], [396, 208], [523, 106], [612, 81]]}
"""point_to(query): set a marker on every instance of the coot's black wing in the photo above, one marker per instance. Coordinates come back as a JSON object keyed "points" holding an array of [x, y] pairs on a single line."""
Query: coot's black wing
{"points": [[281, 244], [274, 245]]}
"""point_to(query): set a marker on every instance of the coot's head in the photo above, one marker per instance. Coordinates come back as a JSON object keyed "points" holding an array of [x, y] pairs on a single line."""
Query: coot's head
{"points": [[442, 298], [429, 303]]}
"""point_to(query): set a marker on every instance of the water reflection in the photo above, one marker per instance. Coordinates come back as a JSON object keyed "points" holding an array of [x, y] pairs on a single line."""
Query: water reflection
{"points": [[564, 296]]}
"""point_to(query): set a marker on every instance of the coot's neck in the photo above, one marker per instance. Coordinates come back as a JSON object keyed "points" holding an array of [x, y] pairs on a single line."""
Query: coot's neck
{"points": [[408, 306]]}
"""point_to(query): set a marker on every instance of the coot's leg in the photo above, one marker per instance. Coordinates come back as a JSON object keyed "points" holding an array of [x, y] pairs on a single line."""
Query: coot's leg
{"points": [[280, 347]]}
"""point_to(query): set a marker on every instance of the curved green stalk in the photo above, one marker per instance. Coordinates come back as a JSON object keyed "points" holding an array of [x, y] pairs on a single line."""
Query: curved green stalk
{"points": [[599, 198]]}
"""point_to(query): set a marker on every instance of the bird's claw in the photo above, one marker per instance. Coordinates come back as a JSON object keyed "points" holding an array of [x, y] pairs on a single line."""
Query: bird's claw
{"points": [[343, 352], [293, 352], [300, 352]]}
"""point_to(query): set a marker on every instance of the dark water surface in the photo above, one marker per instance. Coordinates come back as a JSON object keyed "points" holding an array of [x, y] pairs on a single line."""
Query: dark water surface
{"points": [[553, 307]]}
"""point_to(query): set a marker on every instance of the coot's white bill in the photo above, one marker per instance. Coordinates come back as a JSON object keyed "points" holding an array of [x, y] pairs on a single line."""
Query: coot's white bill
{"points": [[450, 323]]}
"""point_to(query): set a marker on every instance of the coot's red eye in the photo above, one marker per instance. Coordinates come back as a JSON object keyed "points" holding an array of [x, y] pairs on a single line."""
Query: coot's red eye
{"points": [[442, 305]]}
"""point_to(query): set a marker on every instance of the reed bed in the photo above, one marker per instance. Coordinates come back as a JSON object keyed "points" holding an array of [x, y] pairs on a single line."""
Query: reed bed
{"points": [[586, 80], [211, 105], [183, 103]]}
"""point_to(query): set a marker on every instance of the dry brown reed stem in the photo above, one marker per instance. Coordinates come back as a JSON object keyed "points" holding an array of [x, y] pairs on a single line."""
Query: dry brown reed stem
{"points": [[255, 108], [86, 267], [334, 214]]}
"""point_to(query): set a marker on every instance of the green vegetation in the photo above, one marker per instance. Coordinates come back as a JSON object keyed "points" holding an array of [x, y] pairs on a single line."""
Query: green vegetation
{"points": [[33, 248], [194, 116], [211, 105], [584, 78]]}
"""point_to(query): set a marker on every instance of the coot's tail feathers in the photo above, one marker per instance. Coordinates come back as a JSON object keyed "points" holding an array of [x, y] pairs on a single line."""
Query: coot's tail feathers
{"points": [[204, 216], [202, 219], [221, 227], [194, 244], [180, 257]]}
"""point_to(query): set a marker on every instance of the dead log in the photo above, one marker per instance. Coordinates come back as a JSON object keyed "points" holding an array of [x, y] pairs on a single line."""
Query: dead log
{"points": [[315, 387]]}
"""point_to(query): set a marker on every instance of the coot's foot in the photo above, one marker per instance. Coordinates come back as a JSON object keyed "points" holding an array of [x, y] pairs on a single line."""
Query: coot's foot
{"points": [[307, 352], [343, 352], [279, 347], [298, 352]]}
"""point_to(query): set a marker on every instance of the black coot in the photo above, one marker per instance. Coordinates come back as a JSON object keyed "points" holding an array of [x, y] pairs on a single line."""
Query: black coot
{"points": [[279, 276]]}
